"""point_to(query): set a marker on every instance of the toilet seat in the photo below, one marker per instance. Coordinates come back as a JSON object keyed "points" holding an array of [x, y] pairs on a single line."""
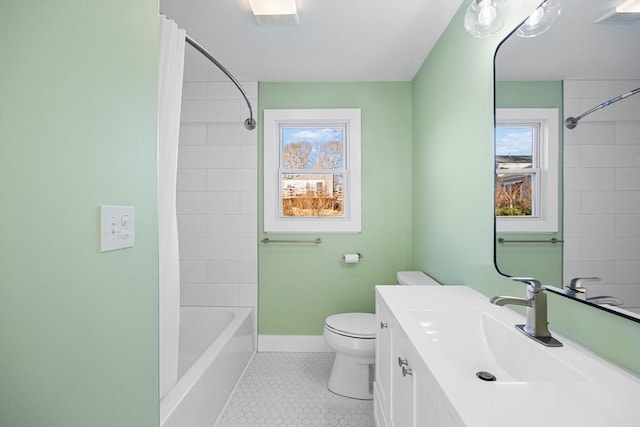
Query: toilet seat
{"points": [[353, 325]]}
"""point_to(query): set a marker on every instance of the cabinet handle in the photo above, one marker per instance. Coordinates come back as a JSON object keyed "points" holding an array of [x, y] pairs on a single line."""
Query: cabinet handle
{"points": [[406, 371], [402, 362], [383, 325]]}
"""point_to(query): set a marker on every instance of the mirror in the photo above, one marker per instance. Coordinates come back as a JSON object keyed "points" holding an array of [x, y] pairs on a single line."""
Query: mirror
{"points": [[574, 66]]}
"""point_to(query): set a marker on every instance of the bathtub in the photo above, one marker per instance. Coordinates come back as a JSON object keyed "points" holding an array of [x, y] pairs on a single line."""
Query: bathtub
{"points": [[215, 346]]}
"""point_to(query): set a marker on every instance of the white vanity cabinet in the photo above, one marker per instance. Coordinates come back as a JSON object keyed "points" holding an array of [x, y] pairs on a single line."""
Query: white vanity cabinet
{"points": [[394, 391], [445, 336], [405, 393]]}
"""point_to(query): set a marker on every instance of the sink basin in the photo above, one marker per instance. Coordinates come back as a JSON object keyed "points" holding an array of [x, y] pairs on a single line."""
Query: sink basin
{"points": [[473, 341]]}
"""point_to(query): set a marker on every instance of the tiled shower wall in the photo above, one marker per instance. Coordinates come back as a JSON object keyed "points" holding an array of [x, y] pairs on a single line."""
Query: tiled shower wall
{"points": [[217, 196], [602, 189]]}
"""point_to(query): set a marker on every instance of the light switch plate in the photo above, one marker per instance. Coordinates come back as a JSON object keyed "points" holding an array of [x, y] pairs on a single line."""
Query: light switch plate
{"points": [[117, 227]]}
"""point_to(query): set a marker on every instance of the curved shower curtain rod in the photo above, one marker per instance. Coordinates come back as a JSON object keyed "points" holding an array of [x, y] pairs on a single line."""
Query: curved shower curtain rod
{"points": [[249, 123], [572, 122]]}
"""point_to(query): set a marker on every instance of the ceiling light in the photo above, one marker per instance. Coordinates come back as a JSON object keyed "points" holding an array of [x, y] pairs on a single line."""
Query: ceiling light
{"points": [[484, 17], [627, 12], [629, 6], [540, 20], [275, 12]]}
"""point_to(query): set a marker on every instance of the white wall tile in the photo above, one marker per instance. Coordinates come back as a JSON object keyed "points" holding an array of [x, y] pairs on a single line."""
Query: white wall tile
{"points": [[628, 132], [627, 202], [590, 225], [589, 88], [590, 179], [194, 90], [605, 270], [628, 226], [209, 248], [628, 178], [192, 225], [197, 202], [210, 294], [571, 250], [248, 249], [597, 202], [248, 202], [572, 202], [192, 271], [233, 134], [572, 156], [627, 248], [249, 157], [587, 133], [628, 271], [191, 180], [594, 249], [248, 294], [232, 226], [209, 157], [193, 134], [221, 271], [231, 179], [217, 192], [208, 110]]}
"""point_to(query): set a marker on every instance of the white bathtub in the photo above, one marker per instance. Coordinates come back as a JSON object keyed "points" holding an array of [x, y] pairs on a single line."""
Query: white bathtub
{"points": [[215, 346]]}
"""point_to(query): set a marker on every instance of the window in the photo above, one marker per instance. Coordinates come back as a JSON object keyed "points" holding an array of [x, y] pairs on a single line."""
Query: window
{"points": [[312, 171], [526, 160]]}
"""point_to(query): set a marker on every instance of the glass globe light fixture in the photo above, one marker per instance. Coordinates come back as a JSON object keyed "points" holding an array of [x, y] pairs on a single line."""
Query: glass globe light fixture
{"points": [[484, 17], [540, 20]]}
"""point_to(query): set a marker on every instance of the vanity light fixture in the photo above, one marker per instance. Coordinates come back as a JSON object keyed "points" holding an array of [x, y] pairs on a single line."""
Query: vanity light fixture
{"points": [[540, 20], [484, 17], [275, 12]]}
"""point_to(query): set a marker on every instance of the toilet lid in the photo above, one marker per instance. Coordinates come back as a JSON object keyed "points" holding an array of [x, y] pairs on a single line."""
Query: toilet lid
{"points": [[358, 325]]}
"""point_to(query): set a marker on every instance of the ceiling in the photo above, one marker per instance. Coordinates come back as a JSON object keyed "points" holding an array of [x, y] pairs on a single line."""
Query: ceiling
{"points": [[388, 40], [575, 48], [336, 40]]}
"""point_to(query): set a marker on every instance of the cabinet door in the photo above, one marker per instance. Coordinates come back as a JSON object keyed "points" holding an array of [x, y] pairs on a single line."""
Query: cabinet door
{"points": [[402, 382], [383, 356]]}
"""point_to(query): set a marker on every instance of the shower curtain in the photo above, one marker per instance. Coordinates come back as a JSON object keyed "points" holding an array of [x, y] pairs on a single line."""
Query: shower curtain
{"points": [[170, 71]]}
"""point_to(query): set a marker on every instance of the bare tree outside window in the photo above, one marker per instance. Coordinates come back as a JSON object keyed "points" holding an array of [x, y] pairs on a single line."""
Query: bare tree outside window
{"points": [[312, 174]]}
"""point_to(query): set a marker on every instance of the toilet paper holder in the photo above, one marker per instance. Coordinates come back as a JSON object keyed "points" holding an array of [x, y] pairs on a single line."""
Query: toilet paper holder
{"points": [[350, 257]]}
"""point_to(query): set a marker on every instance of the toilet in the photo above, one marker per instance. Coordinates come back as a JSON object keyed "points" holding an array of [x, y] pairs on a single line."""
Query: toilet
{"points": [[353, 337]]}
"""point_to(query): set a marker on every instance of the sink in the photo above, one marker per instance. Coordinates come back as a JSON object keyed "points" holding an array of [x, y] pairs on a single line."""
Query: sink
{"points": [[473, 341]]}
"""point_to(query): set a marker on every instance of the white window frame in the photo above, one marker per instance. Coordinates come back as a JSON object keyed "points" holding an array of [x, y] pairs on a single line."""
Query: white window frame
{"points": [[545, 219], [274, 221]]}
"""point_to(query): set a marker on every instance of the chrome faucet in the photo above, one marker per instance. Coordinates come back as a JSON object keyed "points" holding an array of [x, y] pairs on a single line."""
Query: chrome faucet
{"points": [[576, 290], [536, 303]]}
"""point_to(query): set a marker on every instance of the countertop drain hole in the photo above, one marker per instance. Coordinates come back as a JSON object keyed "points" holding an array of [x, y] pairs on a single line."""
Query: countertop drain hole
{"points": [[485, 376]]}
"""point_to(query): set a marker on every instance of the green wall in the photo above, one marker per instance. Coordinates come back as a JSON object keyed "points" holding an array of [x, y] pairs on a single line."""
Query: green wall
{"points": [[453, 186], [300, 285], [78, 328], [542, 261]]}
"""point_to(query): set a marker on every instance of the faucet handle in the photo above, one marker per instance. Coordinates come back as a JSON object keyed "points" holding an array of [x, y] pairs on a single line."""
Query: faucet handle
{"points": [[576, 282], [535, 284]]}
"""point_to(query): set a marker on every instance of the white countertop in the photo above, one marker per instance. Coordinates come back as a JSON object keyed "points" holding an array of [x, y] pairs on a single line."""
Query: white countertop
{"points": [[599, 395]]}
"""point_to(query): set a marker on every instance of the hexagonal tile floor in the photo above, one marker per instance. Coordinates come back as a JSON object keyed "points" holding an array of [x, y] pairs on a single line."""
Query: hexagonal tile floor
{"points": [[290, 389]]}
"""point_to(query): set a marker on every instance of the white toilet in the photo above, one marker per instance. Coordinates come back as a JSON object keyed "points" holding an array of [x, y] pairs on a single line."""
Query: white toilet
{"points": [[353, 337]]}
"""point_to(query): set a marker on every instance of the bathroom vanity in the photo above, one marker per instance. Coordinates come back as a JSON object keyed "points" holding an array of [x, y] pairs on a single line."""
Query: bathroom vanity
{"points": [[446, 357]]}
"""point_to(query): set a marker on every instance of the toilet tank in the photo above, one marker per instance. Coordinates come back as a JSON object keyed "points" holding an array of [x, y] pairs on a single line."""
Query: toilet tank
{"points": [[415, 278]]}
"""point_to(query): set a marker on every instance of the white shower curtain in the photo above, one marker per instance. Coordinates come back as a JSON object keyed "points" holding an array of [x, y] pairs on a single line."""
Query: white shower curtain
{"points": [[170, 71]]}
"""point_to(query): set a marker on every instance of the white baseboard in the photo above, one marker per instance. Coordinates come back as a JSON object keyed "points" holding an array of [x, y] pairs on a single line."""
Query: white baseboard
{"points": [[292, 343]]}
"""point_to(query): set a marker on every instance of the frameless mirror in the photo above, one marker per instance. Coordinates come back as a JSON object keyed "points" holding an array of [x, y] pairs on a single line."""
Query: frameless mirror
{"points": [[584, 222]]}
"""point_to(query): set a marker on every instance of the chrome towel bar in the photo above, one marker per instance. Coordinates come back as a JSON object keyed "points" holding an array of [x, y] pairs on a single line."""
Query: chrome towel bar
{"points": [[553, 240], [267, 240]]}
